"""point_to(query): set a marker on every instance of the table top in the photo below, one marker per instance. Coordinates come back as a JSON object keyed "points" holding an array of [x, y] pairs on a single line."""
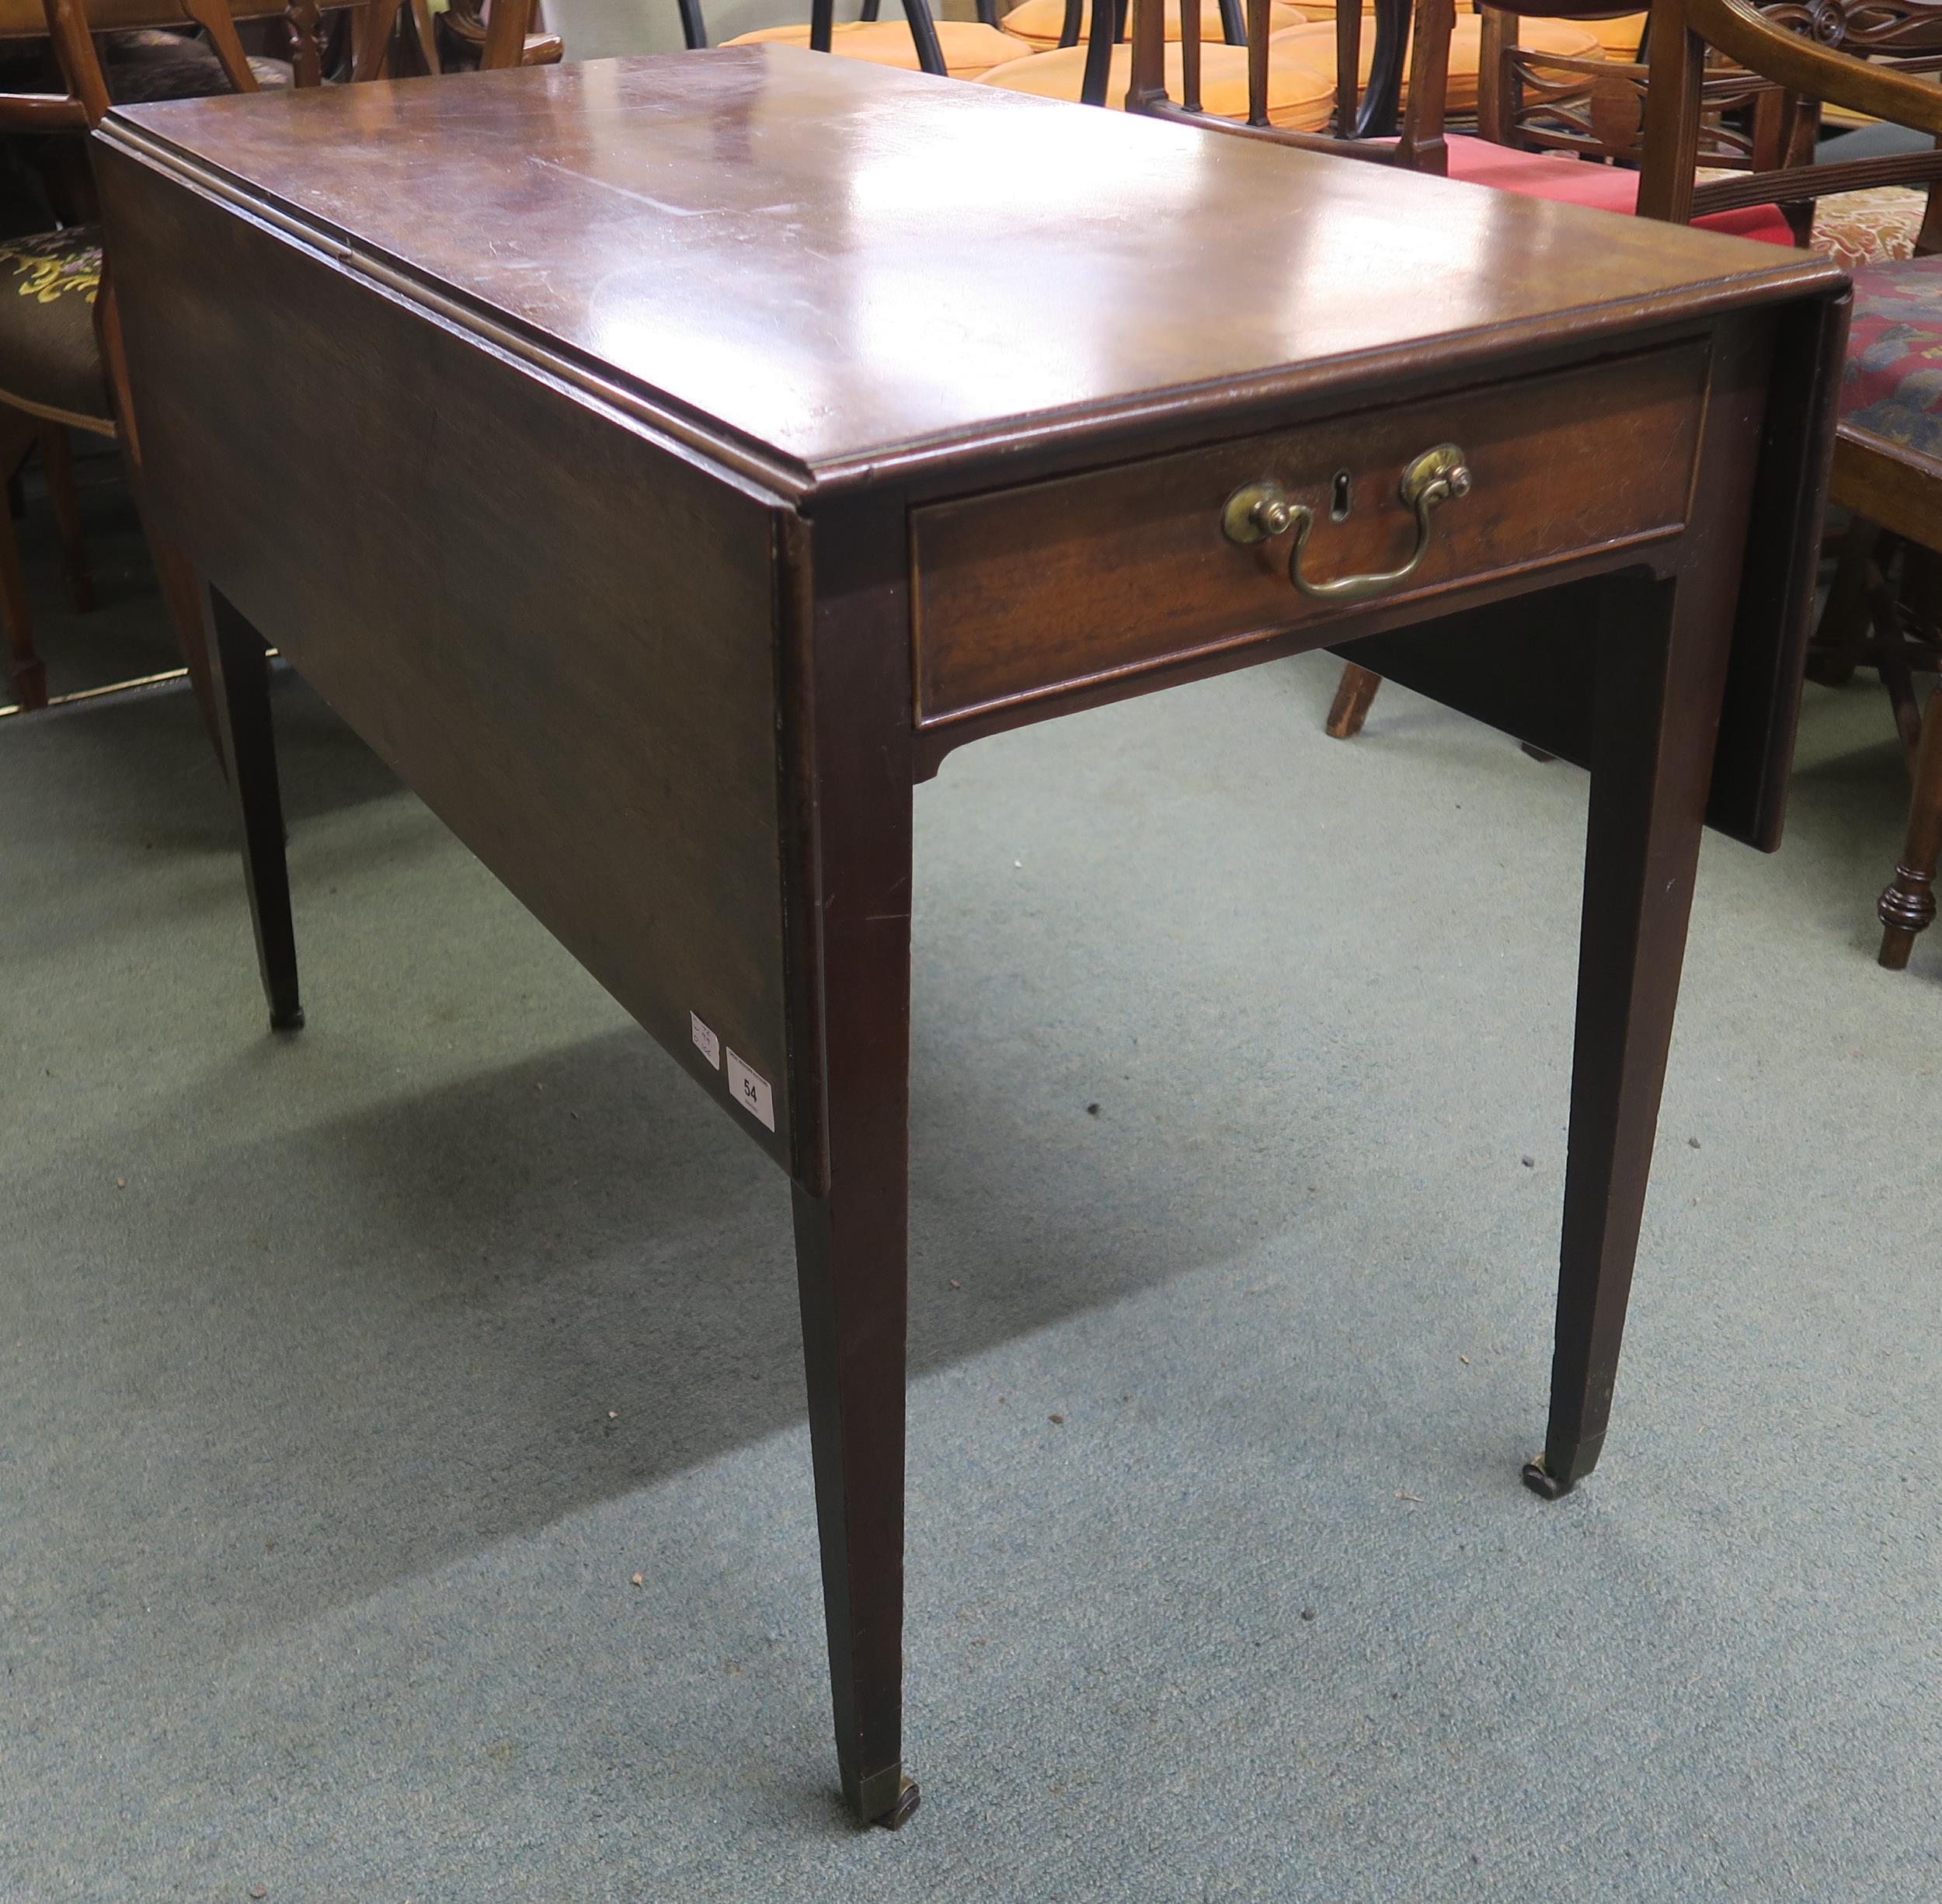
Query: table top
{"points": [[839, 265]]}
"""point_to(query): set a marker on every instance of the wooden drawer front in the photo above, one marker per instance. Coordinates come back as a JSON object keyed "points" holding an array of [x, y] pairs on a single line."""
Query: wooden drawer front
{"points": [[1053, 584]]}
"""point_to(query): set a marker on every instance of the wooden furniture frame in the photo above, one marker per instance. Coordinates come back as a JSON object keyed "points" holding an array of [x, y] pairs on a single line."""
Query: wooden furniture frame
{"points": [[483, 36], [782, 585]]}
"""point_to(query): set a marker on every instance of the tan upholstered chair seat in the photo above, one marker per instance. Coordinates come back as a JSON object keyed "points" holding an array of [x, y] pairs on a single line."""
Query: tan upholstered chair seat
{"points": [[49, 359], [1041, 21], [1297, 98], [1619, 37], [1314, 47], [969, 47]]}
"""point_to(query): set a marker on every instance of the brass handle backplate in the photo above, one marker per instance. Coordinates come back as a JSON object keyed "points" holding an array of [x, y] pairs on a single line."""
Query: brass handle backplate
{"points": [[1258, 511]]}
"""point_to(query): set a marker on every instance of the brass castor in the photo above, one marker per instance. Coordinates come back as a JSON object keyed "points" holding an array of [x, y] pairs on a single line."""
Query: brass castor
{"points": [[905, 1809], [1540, 1480], [888, 1797]]}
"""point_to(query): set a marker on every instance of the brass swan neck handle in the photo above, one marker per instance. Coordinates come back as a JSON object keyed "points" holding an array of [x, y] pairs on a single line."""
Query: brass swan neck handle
{"points": [[1258, 511]]}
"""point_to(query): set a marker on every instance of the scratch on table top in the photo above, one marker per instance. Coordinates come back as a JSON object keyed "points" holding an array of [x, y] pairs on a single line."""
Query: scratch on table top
{"points": [[607, 185]]}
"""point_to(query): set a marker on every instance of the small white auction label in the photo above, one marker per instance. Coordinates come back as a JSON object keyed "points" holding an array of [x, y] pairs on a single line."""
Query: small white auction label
{"points": [[751, 1092], [705, 1042]]}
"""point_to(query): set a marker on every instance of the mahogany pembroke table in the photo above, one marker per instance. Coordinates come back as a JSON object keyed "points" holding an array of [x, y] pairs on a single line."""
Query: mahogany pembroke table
{"points": [[664, 463]]}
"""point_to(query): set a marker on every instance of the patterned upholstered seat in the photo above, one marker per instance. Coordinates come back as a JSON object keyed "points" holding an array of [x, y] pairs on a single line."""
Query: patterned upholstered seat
{"points": [[145, 66], [49, 359], [1859, 228], [1892, 385]]}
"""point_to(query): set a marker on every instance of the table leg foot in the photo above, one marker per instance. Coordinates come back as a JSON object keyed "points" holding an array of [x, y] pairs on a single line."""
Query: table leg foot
{"points": [[290, 1019], [889, 1797], [1556, 1472]]}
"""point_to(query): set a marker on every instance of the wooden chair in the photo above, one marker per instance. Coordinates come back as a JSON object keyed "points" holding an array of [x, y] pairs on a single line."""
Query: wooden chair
{"points": [[61, 366], [462, 38], [1747, 124], [1887, 456]]}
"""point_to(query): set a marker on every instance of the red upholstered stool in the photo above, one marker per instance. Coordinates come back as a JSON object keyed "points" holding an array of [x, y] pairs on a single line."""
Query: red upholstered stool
{"points": [[1573, 181]]}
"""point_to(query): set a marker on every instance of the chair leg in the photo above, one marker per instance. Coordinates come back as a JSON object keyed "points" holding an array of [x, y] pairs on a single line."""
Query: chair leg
{"points": [[1356, 689], [1908, 905], [1839, 640], [57, 455], [26, 672], [1894, 660]]}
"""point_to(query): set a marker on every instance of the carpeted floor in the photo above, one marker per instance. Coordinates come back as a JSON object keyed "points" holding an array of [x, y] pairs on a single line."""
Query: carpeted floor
{"points": [[346, 1381]]}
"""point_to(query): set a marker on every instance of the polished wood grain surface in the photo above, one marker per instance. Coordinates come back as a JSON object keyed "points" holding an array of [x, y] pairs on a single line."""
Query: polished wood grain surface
{"points": [[938, 260]]}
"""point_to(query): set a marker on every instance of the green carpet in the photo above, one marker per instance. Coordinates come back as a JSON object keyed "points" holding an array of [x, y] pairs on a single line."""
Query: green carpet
{"points": [[345, 1381]]}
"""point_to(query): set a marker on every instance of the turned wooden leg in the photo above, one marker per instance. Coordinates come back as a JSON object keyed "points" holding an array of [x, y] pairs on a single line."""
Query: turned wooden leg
{"points": [[56, 457], [1908, 905], [851, 1224], [1353, 694], [240, 667], [1661, 676]]}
